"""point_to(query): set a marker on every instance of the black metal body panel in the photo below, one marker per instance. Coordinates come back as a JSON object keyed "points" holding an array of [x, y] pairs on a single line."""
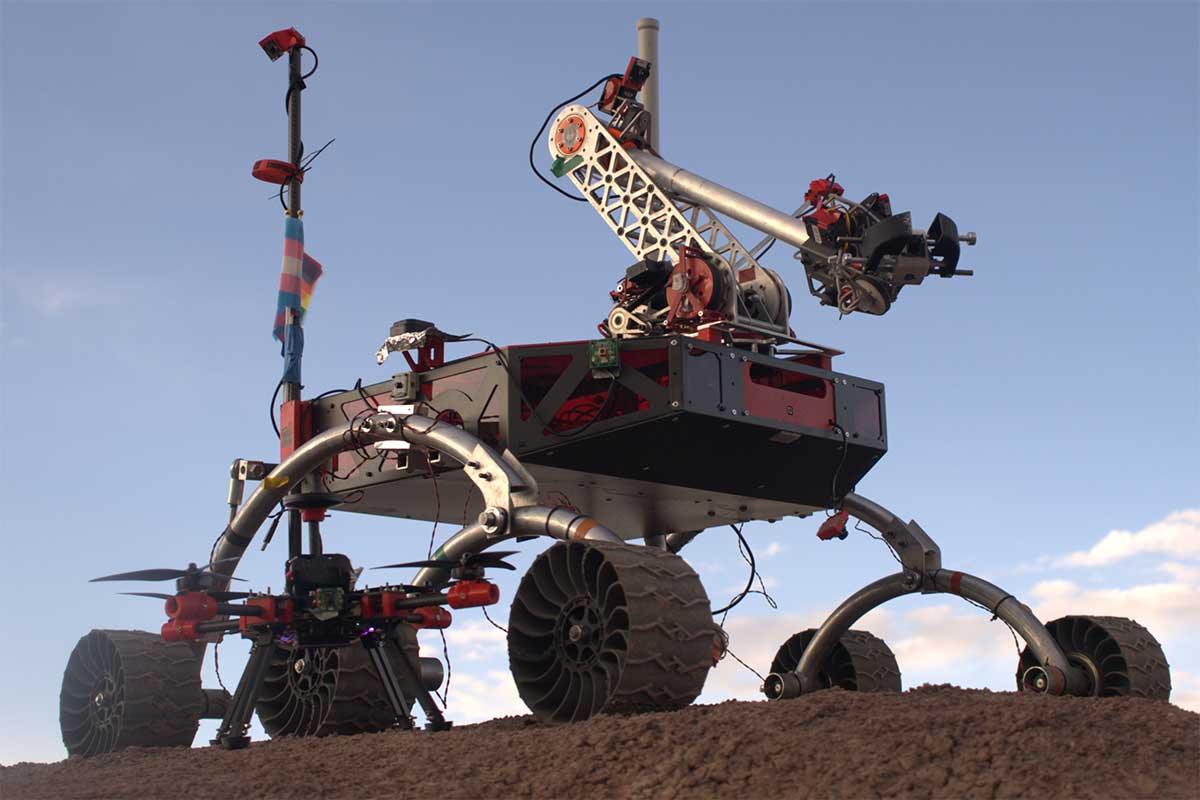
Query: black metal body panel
{"points": [[680, 414]]}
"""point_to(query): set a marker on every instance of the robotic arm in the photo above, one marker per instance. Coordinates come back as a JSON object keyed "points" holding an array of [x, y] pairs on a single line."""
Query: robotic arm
{"points": [[693, 276]]}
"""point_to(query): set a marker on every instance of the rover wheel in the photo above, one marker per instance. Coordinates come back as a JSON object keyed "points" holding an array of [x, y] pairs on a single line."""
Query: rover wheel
{"points": [[860, 662], [1118, 655], [319, 691], [129, 688], [609, 627]]}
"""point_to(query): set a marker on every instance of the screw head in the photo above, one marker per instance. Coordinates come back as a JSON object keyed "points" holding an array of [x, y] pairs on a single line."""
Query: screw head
{"points": [[298, 666]]}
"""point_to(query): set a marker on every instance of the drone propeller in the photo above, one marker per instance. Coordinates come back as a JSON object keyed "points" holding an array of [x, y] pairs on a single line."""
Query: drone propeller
{"points": [[485, 560], [220, 597], [167, 574]]}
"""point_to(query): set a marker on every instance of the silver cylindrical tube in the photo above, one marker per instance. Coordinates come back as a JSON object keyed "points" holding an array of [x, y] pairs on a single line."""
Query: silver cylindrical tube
{"points": [[647, 44], [693, 188], [556, 523]]}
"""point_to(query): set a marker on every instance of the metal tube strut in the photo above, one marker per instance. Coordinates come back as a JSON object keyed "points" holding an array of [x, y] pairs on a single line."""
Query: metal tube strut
{"points": [[701, 191], [647, 44]]}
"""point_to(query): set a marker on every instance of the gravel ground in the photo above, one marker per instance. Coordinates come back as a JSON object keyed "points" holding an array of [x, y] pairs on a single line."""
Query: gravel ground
{"points": [[934, 741]]}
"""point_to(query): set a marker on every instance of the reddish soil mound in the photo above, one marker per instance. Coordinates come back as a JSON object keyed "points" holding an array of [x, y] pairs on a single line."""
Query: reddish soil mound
{"points": [[930, 742]]}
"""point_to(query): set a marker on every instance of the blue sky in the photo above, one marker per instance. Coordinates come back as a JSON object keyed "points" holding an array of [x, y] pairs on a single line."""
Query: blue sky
{"points": [[1033, 410]]}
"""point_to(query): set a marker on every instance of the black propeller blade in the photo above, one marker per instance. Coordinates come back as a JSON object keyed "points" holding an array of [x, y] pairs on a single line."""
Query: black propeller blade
{"points": [[220, 597], [167, 574], [485, 560]]}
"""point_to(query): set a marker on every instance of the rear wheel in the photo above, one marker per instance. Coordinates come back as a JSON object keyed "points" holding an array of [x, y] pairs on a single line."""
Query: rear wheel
{"points": [[600, 627], [129, 688], [860, 662], [1119, 656]]}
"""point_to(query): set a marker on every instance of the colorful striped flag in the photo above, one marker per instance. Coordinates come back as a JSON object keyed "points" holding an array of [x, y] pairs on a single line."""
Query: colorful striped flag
{"points": [[298, 277]]}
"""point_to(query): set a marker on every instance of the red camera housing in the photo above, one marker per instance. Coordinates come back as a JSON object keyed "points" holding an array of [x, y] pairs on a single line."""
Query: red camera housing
{"points": [[280, 42]]}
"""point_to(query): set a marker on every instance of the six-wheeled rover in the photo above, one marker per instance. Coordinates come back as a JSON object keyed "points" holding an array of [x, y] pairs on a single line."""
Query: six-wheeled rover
{"points": [[616, 449]]}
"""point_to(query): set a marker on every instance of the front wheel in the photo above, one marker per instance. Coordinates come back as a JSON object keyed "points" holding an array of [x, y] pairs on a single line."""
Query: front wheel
{"points": [[129, 689], [599, 627]]}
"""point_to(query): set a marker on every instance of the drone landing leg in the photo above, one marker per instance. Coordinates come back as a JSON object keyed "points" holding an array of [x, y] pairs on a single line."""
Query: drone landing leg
{"points": [[434, 721], [387, 676], [231, 735]]}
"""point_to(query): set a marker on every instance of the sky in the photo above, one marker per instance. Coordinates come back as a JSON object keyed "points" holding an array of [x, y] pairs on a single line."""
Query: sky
{"points": [[1042, 415]]}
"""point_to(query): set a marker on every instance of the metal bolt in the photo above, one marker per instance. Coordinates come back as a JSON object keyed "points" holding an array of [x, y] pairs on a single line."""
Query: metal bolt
{"points": [[575, 633], [492, 519], [298, 666], [485, 476]]}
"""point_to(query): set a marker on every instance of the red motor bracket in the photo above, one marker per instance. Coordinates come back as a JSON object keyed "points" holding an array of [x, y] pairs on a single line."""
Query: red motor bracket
{"points": [[432, 617], [274, 610], [472, 594], [280, 42], [191, 606], [180, 631], [821, 188], [626, 87], [271, 170]]}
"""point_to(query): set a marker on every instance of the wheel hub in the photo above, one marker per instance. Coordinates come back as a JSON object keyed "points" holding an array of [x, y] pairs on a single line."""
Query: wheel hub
{"points": [[308, 673], [1088, 667], [104, 700], [580, 633]]}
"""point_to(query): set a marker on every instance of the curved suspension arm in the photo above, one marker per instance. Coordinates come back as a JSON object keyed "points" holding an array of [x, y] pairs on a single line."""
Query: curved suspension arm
{"points": [[921, 559], [497, 480]]}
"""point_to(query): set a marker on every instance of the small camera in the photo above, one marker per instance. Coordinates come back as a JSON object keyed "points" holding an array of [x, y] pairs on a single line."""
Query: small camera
{"points": [[280, 42]]}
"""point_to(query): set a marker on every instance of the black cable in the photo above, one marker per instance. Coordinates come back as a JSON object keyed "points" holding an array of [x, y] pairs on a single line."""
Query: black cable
{"points": [[489, 619], [748, 556], [316, 62], [358, 387], [542, 130], [274, 397], [445, 693], [304, 167], [842, 462]]}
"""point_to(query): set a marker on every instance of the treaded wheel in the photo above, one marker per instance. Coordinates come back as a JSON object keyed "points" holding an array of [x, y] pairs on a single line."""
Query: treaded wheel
{"points": [[860, 661], [321, 691], [600, 627], [1119, 656], [129, 689]]}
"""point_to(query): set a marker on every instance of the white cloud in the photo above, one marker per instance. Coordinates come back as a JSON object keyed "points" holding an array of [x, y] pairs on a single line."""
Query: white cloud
{"points": [[774, 549], [1166, 609], [1182, 573], [478, 697], [1178, 535], [1185, 691], [53, 295], [934, 639]]}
